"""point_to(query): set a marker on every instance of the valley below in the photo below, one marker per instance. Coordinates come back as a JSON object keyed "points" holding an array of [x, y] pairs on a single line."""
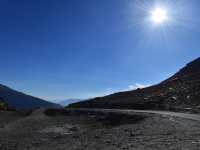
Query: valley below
{"points": [[73, 129]]}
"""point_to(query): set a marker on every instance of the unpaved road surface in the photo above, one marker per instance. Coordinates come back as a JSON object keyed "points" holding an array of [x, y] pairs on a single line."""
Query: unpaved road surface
{"points": [[195, 117], [99, 130]]}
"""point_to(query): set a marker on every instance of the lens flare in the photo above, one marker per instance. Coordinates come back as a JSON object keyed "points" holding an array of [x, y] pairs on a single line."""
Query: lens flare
{"points": [[159, 15]]}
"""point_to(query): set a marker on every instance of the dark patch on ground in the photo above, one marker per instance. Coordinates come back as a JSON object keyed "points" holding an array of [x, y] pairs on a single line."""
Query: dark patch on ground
{"points": [[53, 112], [107, 119]]}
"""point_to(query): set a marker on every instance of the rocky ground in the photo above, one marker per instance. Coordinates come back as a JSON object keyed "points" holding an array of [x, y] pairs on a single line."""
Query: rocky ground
{"points": [[68, 130]]}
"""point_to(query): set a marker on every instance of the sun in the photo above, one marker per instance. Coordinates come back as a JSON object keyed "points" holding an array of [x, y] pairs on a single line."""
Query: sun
{"points": [[159, 15]]}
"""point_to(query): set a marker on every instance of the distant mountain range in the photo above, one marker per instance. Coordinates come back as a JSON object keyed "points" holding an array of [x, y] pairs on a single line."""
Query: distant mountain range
{"points": [[19, 100], [181, 91], [69, 101]]}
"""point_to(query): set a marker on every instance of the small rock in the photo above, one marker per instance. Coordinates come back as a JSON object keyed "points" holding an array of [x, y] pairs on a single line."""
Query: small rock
{"points": [[171, 89], [174, 98], [188, 97], [107, 141], [75, 136], [132, 134], [56, 136], [73, 129], [96, 136]]}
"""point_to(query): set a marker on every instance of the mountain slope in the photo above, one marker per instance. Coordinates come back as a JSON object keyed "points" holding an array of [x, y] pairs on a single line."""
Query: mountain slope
{"points": [[20, 100], [180, 91], [4, 106]]}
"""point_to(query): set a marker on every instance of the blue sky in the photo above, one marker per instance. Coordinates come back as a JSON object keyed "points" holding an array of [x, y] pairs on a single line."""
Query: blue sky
{"points": [[60, 49]]}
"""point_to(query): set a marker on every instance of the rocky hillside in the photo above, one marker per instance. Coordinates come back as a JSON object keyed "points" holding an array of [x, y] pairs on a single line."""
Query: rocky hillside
{"points": [[179, 92]]}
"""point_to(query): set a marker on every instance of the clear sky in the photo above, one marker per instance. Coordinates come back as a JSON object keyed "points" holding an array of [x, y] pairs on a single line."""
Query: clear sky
{"points": [[58, 49]]}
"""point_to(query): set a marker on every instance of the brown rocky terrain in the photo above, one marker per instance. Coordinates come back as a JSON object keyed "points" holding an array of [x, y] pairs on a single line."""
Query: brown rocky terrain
{"points": [[179, 93]]}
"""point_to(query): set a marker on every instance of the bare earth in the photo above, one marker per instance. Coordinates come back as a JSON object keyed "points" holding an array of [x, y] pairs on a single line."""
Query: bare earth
{"points": [[44, 130]]}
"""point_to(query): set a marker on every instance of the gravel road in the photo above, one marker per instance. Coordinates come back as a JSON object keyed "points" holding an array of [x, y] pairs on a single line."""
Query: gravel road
{"points": [[195, 117], [100, 130]]}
